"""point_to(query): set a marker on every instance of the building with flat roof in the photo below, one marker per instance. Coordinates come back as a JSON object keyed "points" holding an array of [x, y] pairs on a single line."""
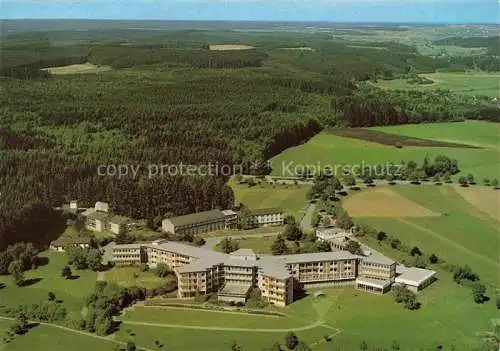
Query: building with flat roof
{"points": [[195, 223], [416, 279], [99, 219]]}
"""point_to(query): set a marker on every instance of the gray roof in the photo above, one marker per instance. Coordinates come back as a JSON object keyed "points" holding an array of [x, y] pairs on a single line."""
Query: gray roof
{"points": [[243, 252], [88, 211], [415, 276], [229, 212], [375, 256], [272, 267], [318, 256], [197, 217], [189, 250]]}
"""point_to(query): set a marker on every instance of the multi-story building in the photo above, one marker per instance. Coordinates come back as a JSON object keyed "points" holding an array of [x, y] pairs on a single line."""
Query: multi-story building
{"points": [[98, 219], [195, 223], [265, 217], [231, 218], [232, 276], [377, 273]]}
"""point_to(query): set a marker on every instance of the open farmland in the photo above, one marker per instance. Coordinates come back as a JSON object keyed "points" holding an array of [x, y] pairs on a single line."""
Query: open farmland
{"points": [[291, 198], [466, 83], [77, 69], [328, 149], [479, 133], [462, 234], [384, 202]]}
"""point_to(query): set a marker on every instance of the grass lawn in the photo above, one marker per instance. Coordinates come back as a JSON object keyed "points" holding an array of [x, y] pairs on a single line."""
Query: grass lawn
{"points": [[45, 338], [472, 84], [291, 198], [175, 339], [462, 234], [48, 278], [124, 276], [260, 245], [207, 318], [326, 149], [480, 133]]}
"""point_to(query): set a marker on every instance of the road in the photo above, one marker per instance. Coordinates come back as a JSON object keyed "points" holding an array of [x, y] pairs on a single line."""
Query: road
{"points": [[305, 223]]}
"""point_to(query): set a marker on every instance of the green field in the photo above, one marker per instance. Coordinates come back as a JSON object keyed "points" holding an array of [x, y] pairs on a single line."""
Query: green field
{"points": [[260, 245], [351, 316], [478, 133], [124, 276], [291, 198], [472, 84], [48, 278], [462, 234], [40, 337], [327, 149]]}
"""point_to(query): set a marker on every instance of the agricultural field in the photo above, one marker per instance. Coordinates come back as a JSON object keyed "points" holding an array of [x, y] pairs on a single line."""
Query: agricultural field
{"points": [[477, 133], [77, 69], [130, 276], [466, 83], [291, 198], [329, 149], [460, 234], [48, 278]]}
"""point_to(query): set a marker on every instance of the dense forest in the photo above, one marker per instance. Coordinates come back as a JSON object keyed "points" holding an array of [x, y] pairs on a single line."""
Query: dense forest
{"points": [[168, 99]]}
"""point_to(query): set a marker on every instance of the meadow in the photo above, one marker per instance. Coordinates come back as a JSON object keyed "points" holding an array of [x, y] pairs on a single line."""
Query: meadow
{"points": [[41, 336], [460, 234], [328, 149], [260, 245], [478, 133], [47, 278], [465, 83], [131, 276], [291, 198], [348, 315]]}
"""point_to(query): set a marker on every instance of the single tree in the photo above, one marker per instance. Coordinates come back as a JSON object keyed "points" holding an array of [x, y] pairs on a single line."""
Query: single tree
{"points": [[486, 182], [433, 259], [291, 340], [494, 183], [381, 236], [16, 271], [199, 241], [470, 178], [363, 346], [66, 272], [498, 302], [462, 181], [478, 291], [354, 247], [130, 346], [51, 296], [415, 251], [279, 246], [395, 346]]}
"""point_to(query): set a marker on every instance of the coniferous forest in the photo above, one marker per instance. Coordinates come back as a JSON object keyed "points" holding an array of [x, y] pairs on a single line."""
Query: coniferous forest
{"points": [[166, 98]]}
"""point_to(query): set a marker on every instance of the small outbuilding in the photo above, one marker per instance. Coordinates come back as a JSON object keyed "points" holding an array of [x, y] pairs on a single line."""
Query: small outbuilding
{"points": [[416, 279]]}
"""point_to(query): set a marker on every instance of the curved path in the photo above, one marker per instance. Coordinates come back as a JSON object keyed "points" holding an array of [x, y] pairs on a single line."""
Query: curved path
{"points": [[198, 327], [95, 336]]}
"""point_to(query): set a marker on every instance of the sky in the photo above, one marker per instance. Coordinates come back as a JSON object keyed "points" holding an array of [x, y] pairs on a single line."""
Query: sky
{"points": [[420, 11]]}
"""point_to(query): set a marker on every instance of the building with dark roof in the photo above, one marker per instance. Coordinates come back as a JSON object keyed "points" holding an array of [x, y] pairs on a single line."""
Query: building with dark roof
{"points": [[195, 223]]}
